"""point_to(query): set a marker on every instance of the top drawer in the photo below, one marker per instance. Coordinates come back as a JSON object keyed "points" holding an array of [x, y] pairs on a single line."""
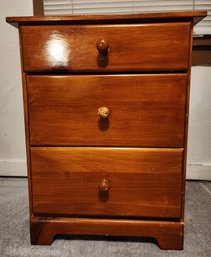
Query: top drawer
{"points": [[145, 47]]}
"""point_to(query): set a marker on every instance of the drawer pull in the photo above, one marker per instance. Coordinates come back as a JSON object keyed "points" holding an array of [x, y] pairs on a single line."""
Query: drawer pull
{"points": [[104, 186], [102, 47], [103, 112]]}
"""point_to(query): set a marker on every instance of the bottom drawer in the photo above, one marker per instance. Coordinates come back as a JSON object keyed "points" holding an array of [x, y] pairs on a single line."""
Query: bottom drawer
{"points": [[121, 182]]}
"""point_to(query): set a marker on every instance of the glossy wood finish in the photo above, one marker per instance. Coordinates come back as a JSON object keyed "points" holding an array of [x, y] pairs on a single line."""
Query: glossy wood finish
{"points": [[192, 16], [103, 47], [145, 110], [168, 234], [104, 187], [148, 110], [186, 133], [145, 47], [65, 181], [26, 124]]}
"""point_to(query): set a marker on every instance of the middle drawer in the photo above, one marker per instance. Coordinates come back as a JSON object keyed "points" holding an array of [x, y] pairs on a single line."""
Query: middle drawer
{"points": [[145, 110]]}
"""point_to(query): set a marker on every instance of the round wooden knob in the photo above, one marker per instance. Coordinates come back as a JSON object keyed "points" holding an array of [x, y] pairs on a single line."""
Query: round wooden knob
{"points": [[103, 112], [104, 186], [102, 47]]}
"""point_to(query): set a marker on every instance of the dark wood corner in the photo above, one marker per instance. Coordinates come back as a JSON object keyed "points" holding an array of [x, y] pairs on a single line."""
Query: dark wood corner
{"points": [[201, 51], [38, 8]]}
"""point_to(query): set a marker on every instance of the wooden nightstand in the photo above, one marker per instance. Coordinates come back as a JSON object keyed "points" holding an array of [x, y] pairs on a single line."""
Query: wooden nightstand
{"points": [[106, 112]]}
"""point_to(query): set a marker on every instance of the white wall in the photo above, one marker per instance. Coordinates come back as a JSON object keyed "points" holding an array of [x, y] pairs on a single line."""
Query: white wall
{"points": [[12, 149], [12, 142], [199, 146]]}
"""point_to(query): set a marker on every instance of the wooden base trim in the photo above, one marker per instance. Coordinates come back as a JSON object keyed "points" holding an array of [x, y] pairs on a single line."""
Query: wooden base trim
{"points": [[169, 235]]}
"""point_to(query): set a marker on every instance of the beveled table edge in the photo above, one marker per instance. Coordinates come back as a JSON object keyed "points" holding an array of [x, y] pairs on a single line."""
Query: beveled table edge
{"points": [[194, 16]]}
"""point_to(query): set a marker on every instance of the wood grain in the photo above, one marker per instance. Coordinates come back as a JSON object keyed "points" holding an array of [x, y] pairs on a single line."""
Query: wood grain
{"points": [[169, 235], [192, 16], [26, 124], [186, 130], [143, 182], [95, 190], [145, 110], [143, 47]]}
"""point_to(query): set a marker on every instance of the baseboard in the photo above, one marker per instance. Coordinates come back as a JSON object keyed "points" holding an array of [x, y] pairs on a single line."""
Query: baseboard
{"points": [[18, 168], [199, 171], [13, 168]]}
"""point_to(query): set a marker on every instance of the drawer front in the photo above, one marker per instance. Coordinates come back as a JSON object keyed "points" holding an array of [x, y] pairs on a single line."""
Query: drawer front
{"points": [[145, 110], [162, 46], [107, 182]]}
